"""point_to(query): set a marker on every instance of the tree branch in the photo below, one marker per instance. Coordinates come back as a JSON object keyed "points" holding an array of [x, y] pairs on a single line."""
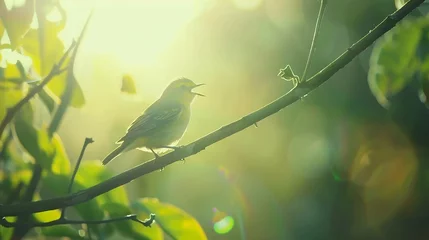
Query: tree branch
{"points": [[70, 81], [224, 132], [82, 152], [313, 41], [12, 111]]}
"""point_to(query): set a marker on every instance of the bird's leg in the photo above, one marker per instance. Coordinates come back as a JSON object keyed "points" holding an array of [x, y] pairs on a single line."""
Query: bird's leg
{"points": [[174, 148], [154, 153], [156, 157]]}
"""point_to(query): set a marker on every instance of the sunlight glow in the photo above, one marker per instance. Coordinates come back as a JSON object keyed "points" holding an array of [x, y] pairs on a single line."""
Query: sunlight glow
{"points": [[134, 32], [247, 4]]}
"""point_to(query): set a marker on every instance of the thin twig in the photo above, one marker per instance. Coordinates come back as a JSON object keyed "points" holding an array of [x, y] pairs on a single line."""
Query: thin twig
{"points": [[54, 71], [70, 80], [292, 96], [82, 152], [313, 41]]}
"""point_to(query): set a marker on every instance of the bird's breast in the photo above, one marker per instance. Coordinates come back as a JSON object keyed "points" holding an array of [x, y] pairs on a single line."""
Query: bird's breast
{"points": [[171, 133]]}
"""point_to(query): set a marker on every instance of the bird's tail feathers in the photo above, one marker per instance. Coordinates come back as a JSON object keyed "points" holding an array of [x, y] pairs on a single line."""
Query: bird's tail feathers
{"points": [[112, 155]]}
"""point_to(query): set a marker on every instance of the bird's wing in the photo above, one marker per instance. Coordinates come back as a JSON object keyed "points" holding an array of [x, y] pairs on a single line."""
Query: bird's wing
{"points": [[154, 118]]}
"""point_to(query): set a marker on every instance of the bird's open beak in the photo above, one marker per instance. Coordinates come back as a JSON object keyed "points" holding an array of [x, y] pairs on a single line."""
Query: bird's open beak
{"points": [[199, 94]]}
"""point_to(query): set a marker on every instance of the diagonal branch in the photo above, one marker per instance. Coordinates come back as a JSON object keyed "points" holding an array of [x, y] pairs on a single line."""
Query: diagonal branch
{"points": [[54, 71], [70, 81], [292, 96]]}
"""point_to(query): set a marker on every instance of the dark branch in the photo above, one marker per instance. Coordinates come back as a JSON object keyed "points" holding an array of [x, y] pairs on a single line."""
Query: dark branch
{"points": [[70, 80], [12, 111], [292, 96], [315, 34], [82, 152]]}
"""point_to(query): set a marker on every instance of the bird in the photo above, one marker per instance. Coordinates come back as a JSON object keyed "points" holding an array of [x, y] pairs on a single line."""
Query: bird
{"points": [[161, 126]]}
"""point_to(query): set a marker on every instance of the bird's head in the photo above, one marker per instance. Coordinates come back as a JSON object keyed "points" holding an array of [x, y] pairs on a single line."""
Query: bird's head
{"points": [[181, 90]]}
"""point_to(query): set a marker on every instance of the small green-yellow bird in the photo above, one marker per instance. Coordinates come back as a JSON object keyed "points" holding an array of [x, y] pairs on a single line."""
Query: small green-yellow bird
{"points": [[162, 124]]}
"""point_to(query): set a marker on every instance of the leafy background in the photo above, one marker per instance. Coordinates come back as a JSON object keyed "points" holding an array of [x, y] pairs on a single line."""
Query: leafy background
{"points": [[349, 161]]}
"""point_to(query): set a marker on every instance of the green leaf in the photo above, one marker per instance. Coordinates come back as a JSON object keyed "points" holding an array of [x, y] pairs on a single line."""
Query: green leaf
{"points": [[46, 216], [21, 176], [58, 184], [93, 172], [174, 221], [49, 100], [53, 50], [6, 233], [17, 21], [35, 141], [128, 85], [11, 92], [60, 231], [393, 61], [61, 162], [129, 228], [400, 3]]}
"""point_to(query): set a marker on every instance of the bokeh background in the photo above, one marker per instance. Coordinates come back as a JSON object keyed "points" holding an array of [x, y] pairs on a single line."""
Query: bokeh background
{"points": [[335, 165]]}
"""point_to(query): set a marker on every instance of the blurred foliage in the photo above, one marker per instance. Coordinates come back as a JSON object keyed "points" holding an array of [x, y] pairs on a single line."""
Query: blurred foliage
{"points": [[398, 57], [29, 142], [174, 221]]}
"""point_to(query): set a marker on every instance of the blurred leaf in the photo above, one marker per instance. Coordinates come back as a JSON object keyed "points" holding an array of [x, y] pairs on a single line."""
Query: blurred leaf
{"points": [[48, 99], [393, 61], [58, 184], [129, 228], [59, 231], [46, 216], [61, 162], [105, 231], [93, 172], [11, 71], [22, 176], [53, 50], [128, 85], [17, 21], [174, 221], [6, 233], [35, 141], [400, 3], [10, 92]]}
